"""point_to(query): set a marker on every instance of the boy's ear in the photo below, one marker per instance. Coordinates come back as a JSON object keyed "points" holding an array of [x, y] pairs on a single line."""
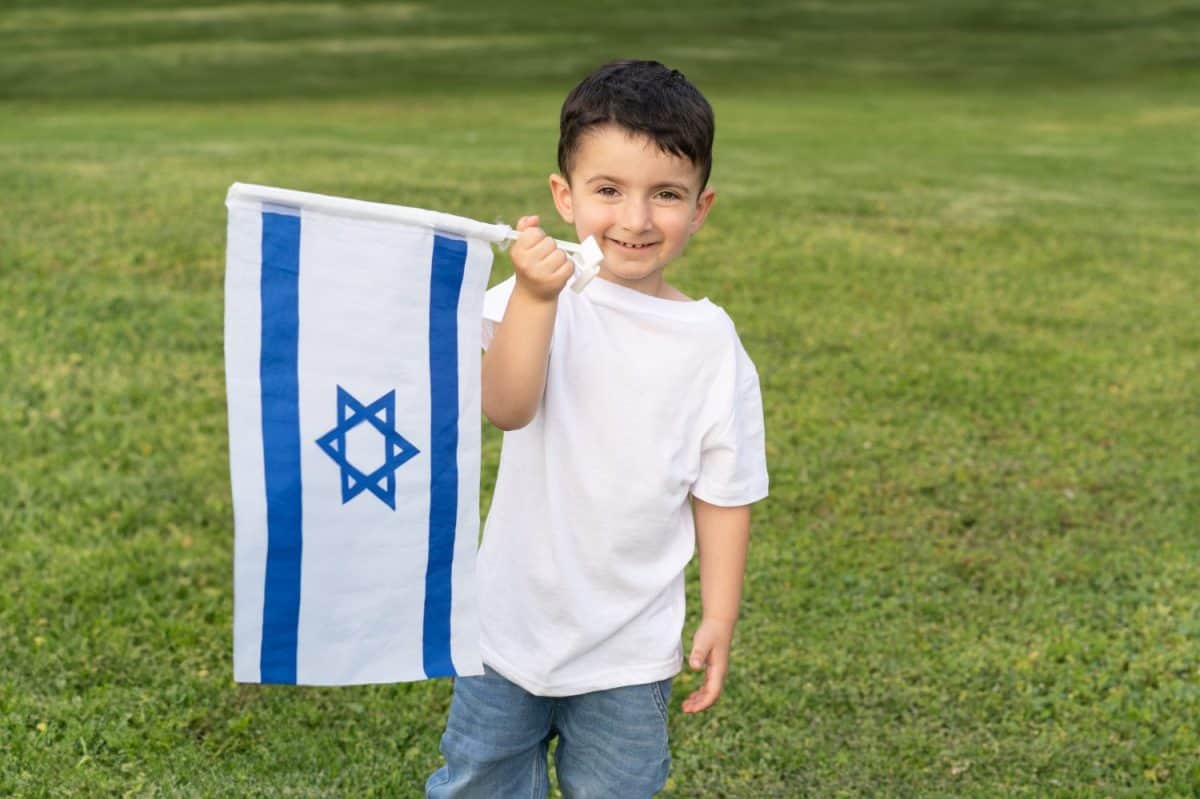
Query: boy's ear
{"points": [[703, 206], [560, 190]]}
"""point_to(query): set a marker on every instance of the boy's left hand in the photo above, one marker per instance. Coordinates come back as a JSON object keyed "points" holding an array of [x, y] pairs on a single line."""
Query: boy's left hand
{"points": [[710, 651]]}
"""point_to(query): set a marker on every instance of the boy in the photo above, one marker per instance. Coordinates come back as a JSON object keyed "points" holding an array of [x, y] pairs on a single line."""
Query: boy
{"points": [[634, 433]]}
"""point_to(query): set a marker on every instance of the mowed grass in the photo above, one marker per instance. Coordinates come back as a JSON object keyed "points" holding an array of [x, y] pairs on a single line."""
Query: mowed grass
{"points": [[969, 284]]}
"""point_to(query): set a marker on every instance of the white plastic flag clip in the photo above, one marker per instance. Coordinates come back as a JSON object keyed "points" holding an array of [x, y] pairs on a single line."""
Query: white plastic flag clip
{"points": [[585, 256]]}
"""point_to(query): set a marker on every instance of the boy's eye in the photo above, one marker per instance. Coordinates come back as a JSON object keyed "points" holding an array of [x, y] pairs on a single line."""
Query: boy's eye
{"points": [[668, 195], [607, 191]]}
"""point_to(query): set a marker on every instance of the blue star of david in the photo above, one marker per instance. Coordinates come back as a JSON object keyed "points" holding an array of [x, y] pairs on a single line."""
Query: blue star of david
{"points": [[380, 414]]}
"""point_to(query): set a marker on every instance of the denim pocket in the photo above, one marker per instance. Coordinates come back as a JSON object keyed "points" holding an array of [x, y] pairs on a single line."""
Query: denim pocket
{"points": [[662, 695]]}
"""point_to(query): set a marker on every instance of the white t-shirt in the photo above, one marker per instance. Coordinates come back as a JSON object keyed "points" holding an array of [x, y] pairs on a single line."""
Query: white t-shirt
{"points": [[581, 569]]}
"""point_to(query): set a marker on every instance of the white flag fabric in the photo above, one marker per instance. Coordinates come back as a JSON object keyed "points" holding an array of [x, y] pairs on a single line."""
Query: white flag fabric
{"points": [[352, 365]]}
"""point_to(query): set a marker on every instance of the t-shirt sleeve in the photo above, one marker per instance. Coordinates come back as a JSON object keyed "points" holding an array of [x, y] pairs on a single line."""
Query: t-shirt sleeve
{"points": [[733, 456], [494, 303]]}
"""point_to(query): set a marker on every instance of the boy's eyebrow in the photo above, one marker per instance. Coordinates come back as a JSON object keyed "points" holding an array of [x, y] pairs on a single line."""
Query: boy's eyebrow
{"points": [[680, 187]]}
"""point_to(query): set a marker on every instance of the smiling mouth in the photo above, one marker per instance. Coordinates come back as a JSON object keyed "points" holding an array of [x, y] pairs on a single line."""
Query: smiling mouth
{"points": [[627, 246]]}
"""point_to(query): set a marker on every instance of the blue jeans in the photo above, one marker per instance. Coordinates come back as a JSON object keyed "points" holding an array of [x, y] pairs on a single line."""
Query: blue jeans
{"points": [[610, 743]]}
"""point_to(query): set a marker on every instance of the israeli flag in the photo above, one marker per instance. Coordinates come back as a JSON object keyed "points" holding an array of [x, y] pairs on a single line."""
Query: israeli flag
{"points": [[352, 361]]}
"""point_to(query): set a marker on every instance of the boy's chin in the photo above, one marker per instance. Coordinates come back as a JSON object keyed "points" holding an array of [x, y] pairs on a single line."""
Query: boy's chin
{"points": [[628, 273]]}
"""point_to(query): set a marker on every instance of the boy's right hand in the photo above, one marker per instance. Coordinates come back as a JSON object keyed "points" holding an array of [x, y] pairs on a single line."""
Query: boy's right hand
{"points": [[542, 269]]}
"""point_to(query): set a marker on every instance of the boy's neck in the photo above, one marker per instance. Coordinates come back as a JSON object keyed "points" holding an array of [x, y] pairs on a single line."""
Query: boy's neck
{"points": [[654, 286]]}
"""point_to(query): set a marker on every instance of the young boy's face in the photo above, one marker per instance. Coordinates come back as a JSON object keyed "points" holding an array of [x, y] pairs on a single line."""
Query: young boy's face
{"points": [[641, 204]]}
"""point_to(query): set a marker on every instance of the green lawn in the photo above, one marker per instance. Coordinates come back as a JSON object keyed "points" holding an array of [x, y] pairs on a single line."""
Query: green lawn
{"points": [[959, 240]]}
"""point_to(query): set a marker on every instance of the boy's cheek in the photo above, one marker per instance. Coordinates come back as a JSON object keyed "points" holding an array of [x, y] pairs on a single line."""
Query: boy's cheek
{"points": [[588, 225]]}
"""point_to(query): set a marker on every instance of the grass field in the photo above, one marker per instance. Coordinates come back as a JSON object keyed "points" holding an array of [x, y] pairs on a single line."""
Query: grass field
{"points": [[959, 239]]}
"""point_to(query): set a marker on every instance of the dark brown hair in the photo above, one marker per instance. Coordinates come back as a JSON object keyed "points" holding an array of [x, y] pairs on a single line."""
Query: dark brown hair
{"points": [[643, 97]]}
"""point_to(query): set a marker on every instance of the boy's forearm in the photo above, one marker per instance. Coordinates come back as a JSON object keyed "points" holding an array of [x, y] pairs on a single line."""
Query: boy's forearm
{"points": [[722, 538], [514, 366]]}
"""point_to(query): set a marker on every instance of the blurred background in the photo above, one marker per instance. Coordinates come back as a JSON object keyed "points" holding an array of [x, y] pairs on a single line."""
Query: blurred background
{"points": [[959, 240]]}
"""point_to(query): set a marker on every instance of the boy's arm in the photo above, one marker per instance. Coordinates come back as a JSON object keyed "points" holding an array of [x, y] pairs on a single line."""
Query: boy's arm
{"points": [[722, 537], [514, 366]]}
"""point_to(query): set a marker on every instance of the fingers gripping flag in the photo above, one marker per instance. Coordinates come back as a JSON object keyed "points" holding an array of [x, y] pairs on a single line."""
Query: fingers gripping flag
{"points": [[352, 362]]}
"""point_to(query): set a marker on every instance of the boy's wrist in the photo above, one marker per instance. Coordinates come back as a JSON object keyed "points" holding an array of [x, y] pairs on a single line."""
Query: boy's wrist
{"points": [[717, 619], [524, 293]]}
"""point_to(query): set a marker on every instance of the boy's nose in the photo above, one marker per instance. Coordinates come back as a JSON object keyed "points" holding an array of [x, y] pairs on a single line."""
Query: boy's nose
{"points": [[635, 216]]}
